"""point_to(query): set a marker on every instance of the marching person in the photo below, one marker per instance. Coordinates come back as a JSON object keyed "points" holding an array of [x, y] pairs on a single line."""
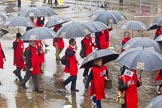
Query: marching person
{"points": [[125, 39], [129, 82], [86, 49], [98, 75], [32, 66], [71, 65], [158, 32], [58, 43], [18, 46]]}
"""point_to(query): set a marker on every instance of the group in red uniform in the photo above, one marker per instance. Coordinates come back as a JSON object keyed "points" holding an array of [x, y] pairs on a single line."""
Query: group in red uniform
{"points": [[32, 65], [18, 46], [71, 66], [97, 76], [125, 39], [158, 32], [129, 82], [58, 43]]}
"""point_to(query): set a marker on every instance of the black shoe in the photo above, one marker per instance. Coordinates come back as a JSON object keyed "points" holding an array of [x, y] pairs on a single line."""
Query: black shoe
{"points": [[75, 90], [24, 87], [39, 91], [15, 72]]}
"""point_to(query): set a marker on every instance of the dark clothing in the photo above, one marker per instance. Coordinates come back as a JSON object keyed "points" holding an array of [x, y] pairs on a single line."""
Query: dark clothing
{"points": [[19, 3], [28, 55], [71, 79], [17, 72], [97, 38], [98, 102], [85, 73]]}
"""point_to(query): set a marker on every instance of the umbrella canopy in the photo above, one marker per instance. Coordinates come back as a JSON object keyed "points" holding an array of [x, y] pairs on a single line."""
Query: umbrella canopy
{"points": [[159, 38], [47, 10], [2, 18], [104, 16], [73, 30], [39, 33], [32, 12], [155, 23], [3, 32], [106, 55], [133, 25], [96, 26], [155, 102], [142, 42], [141, 59], [120, 16], [55, 20], [17, 21]]}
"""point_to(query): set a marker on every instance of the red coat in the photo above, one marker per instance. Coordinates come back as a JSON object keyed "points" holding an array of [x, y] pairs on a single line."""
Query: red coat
{"points": [[158, 32], [35, 61], [131, 94], [56, 28], [103, 40], [158, 77], [18, 53], [107, 37], [72, 66], [1, 57], [87, 45], [98, 83], [60, 43], [125, 40], [36, 23], [41, 55]]}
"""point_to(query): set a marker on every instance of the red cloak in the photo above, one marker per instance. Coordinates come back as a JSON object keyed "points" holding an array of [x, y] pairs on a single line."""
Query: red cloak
{"points": [[125, 40], [1, 57], [158, 77], [60, 43], [41, 55], [88, 45], [103, 38]]}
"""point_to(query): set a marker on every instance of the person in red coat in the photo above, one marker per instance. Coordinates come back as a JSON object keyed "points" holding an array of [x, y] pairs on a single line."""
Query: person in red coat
{"points": [[18, 46], [159, 77], [58, 43], [129, 82], [71, 65], [2, 57], [86, 49], [125, 39], [39, 46], [102, 39], [32, 66], [158, 32], [97, 77], [39, 22]]}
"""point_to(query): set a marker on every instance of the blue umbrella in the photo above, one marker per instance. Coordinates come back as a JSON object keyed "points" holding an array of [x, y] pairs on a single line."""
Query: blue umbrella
{"points": [[96, 26], [142, 42], [39, 33], [155, 102], [55, 20], [73, 30], [3, 32], [106, 55], [155, 23], [47, 10], [141, 59]]}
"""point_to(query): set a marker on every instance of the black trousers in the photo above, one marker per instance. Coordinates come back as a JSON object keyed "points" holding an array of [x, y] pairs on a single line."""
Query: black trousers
{"points": [[85, 73], [71, 79], [18, 73], [27, 77], [19, 3]]}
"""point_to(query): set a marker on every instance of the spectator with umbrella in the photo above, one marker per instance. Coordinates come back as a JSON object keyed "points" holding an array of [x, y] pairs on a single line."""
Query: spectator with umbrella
{"points": [[18, 47], [71, 65], [125, 39]]}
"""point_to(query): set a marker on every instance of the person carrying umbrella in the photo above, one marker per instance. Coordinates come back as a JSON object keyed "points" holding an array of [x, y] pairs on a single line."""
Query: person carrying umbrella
{"points": [[128, 83], [97, 77], [158, 32], [125, 39], [40, 22], [86, 49], [18, 47], [71, 65], [32, 65], [58, 43]]}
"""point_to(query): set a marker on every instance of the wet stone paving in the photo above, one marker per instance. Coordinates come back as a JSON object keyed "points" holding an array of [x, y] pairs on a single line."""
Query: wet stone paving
{"points": [[12, 95]]}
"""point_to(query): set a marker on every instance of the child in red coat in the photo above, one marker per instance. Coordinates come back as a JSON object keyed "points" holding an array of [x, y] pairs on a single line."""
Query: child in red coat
{"points": [[125, 39]]}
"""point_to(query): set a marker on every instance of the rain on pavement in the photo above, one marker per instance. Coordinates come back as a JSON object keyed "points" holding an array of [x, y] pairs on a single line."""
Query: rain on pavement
{"points": [[13, 96]]}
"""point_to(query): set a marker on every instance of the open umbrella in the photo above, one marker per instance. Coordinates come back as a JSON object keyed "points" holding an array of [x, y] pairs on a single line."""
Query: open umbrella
{"points": [[142, 42], [47, 10], [96, 26], [55, 20], [32, 12], [39, 33], [133, 25], [2, 17], [73, 30], [159, 38], [106, 55], [3, 32], [141, 59], [104, 16], [155, 23], [155, 102], [120, 16]]}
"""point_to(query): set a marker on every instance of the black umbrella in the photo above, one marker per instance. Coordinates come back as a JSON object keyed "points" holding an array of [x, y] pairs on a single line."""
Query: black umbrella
{"points": [[106, 55], [3, 32], [155, 23]]}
